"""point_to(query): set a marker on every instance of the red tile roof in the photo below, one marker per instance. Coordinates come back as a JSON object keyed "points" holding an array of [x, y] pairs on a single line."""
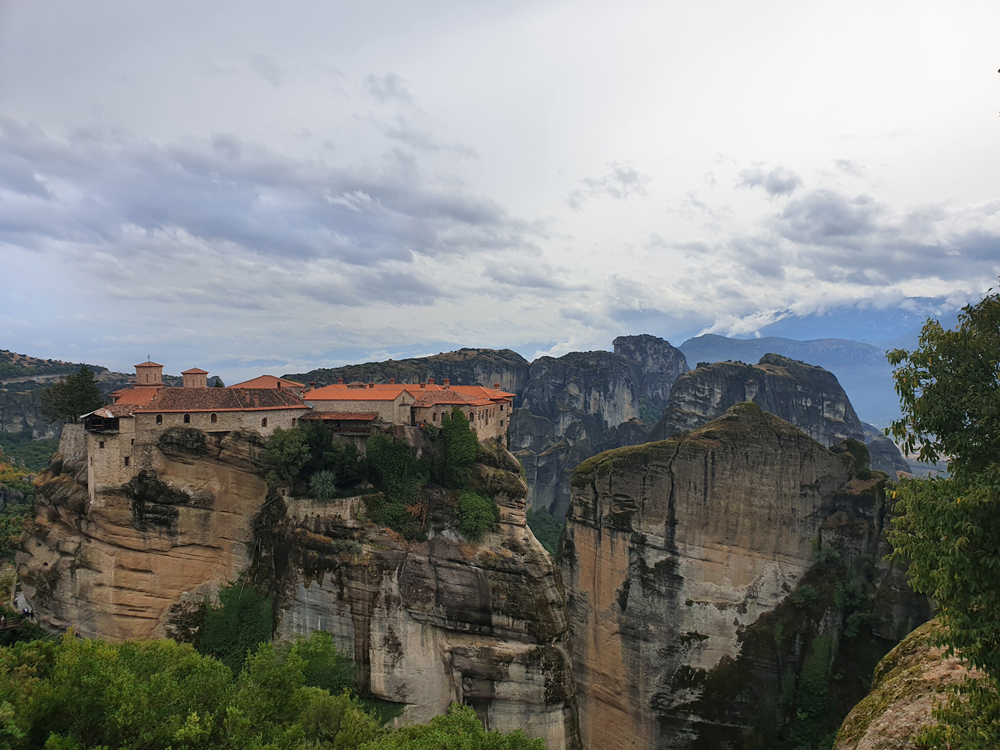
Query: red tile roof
{"points": [[343, 416], [268, 381], [222, 399], [147, 363], [339, 392], [136, 396], [435, 398], [195, 371]]}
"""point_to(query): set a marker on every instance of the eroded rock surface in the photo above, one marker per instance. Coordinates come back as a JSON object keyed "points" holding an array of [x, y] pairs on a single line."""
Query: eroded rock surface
{"points": [[582, 403], [113, 568], [908, 682], [443, 620], [806, 396], [678, 561], [429, 623]]}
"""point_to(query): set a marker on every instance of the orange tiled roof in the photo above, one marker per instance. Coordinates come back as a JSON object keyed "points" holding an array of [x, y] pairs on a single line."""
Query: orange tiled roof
{"points": [[195, 371], [343, 416], [449, 397], [136, 396], [114, 410], [147, 363], [268, 381], [222, 399], [338, 392]]}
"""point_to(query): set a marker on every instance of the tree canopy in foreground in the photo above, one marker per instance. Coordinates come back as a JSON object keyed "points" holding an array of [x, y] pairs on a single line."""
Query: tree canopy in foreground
{"points": [[949, 528]]}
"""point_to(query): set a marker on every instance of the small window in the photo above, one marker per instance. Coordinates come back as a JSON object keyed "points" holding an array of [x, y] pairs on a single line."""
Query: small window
{"points": [[263, 422], [126, 460], [133, 441], [434, 417], [159, 419], [187, 419], [501, 423], [294, 420], [214, 418], [100, 444], [501, 407]]}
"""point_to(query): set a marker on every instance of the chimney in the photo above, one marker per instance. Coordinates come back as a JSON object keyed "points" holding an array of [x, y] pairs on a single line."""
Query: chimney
{"points": [[312, 384], [340, 381], [371, 385], [496, 386], [430, 381], [447, 384], [392, 381], [423, 386]]}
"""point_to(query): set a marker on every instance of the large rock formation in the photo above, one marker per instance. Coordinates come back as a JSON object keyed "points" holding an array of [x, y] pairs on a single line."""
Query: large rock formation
{"points": [[694, 592], [462, 367], [115, 566], [861, 368], [443, 620], [428, 622], [908, 682], [808, 397], [582, 403]]}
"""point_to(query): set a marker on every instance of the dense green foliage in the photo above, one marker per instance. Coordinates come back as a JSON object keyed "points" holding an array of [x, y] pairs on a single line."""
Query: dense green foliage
{"points": [[546, 529], [323, 485], [287, 454], [11, 527], [236, 626], [948, 528], [78, 694], [949, 388], [459, 729], [477, 515], [400, 477], [323, 665], [460, 446], [19, 448], [74, 395]]}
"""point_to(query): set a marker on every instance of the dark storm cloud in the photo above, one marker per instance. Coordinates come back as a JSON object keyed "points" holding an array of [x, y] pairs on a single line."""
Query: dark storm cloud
{"points": [[87, 187], [855, 239], [777, 181], [267, 68], [620, 183], [388, 88]]}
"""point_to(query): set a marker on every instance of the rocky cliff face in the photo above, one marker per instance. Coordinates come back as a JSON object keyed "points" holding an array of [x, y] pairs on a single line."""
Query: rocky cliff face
{"points": [[113, 568], [428, 623], [808, 397], [462, 367], [908, 682], [443, 620], [695, 596], [579, 404]]}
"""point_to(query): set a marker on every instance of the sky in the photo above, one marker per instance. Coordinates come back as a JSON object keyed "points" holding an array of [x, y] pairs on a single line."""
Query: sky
{"points": [[246, 186]]}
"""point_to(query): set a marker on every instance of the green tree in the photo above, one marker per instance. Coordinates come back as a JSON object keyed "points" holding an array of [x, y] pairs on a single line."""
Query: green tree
{"points": [[947, 528], [287, 453], [459, 729], [949, 389], [74, 395], [236, 626], [476, 515], [460, 445]]}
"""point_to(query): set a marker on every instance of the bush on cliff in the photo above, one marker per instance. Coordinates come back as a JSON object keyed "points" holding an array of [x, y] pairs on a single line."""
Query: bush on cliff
{"points": [[477, 515], [287, 454], [460, 446]]}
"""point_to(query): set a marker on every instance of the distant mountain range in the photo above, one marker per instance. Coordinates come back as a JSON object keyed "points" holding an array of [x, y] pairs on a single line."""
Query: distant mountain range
{"points": [[861, 368]]}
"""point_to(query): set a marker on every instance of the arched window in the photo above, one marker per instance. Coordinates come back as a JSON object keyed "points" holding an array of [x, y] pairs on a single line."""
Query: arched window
{"points": [[159, 419], [214, 418], [263, 422], [187, 419]]}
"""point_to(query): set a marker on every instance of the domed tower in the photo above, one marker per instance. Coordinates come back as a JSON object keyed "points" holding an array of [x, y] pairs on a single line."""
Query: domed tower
{"points": [[149, 374], [195, 378]]}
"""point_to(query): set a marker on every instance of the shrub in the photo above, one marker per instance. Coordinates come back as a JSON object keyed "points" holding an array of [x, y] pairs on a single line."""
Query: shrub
{"points": [[287, 453], [323, 485], [236, 627], [476, 515], [324, 666], [460, 445]]}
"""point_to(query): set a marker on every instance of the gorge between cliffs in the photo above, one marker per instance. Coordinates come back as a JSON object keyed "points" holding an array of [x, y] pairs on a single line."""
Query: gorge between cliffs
{"points": [[723, 586]]}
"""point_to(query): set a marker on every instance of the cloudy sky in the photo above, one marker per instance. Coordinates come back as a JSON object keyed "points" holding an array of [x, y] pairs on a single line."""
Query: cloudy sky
{"points": [[242, 185]]}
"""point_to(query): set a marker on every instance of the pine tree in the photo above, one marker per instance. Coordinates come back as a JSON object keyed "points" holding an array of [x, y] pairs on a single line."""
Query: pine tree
{"points": [[71, 397]]}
